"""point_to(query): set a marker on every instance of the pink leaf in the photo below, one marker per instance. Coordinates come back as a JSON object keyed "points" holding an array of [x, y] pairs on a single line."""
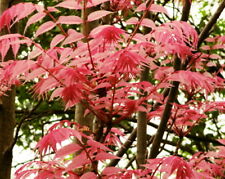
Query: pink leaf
{"points": [[97, 15], [73, 37], [68, 149], [56, 40], [141, 7], [95, 2], [4, 47], [23, 10], [36, 52], [69, 4], [53, 138], [15, 47], [215, 56], [206, 47], [70, 20], [111, 170], [104, 156], [222, 141], [132, 20], [35, 18], [45, 27], [52, 9], [89, 175], [8, 36], [148, 23], [158, 8], [78, 161]]}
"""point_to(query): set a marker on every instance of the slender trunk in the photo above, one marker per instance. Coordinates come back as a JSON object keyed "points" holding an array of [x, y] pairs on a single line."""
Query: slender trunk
{"points": [[86, 27], [7, 120], [173, 92], [142, 128], [7, 124], [142, 116]]}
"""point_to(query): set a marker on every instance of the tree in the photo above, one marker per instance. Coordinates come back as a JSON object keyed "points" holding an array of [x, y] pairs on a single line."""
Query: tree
{"points": [[7, 117], [134, 68]]}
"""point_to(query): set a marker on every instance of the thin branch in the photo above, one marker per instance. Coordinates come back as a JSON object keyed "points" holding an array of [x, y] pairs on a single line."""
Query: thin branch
{"points": [[172, 96], [124, 148], [166, 113], [21, 123], [186, 10], [205, 32]]}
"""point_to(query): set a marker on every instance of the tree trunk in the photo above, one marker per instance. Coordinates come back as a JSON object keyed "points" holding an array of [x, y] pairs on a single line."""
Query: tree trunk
{"points": [[7, 122], [142, 128], [86, 27]]}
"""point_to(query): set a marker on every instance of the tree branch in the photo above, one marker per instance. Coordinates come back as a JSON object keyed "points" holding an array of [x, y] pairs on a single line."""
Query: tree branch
{"points": [[21, 123], [171, 98], [205, 32], [124, 148]]}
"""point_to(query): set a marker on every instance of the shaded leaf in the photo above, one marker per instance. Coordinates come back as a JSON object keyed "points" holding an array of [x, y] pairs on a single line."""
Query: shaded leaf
{"points": [[89, 175]]}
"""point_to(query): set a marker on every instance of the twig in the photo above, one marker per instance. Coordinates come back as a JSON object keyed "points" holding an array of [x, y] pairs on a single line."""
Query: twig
{"points": [[21, 123], [211, 23]]}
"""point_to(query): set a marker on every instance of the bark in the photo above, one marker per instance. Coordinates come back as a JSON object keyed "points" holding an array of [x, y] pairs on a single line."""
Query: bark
{"points": [[7, 124], [7, 120], [142, 128], [166, 115], [80, 108]]}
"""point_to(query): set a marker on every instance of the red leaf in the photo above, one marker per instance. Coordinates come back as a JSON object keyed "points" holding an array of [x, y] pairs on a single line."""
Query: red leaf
{"points": [[70, 20], [99, 145], [97, 15], [53, 138], [194, 80], [44, 28]]}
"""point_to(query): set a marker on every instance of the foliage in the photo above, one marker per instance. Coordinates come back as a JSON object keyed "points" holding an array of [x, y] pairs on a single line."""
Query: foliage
{"points": [[102, 72]]}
